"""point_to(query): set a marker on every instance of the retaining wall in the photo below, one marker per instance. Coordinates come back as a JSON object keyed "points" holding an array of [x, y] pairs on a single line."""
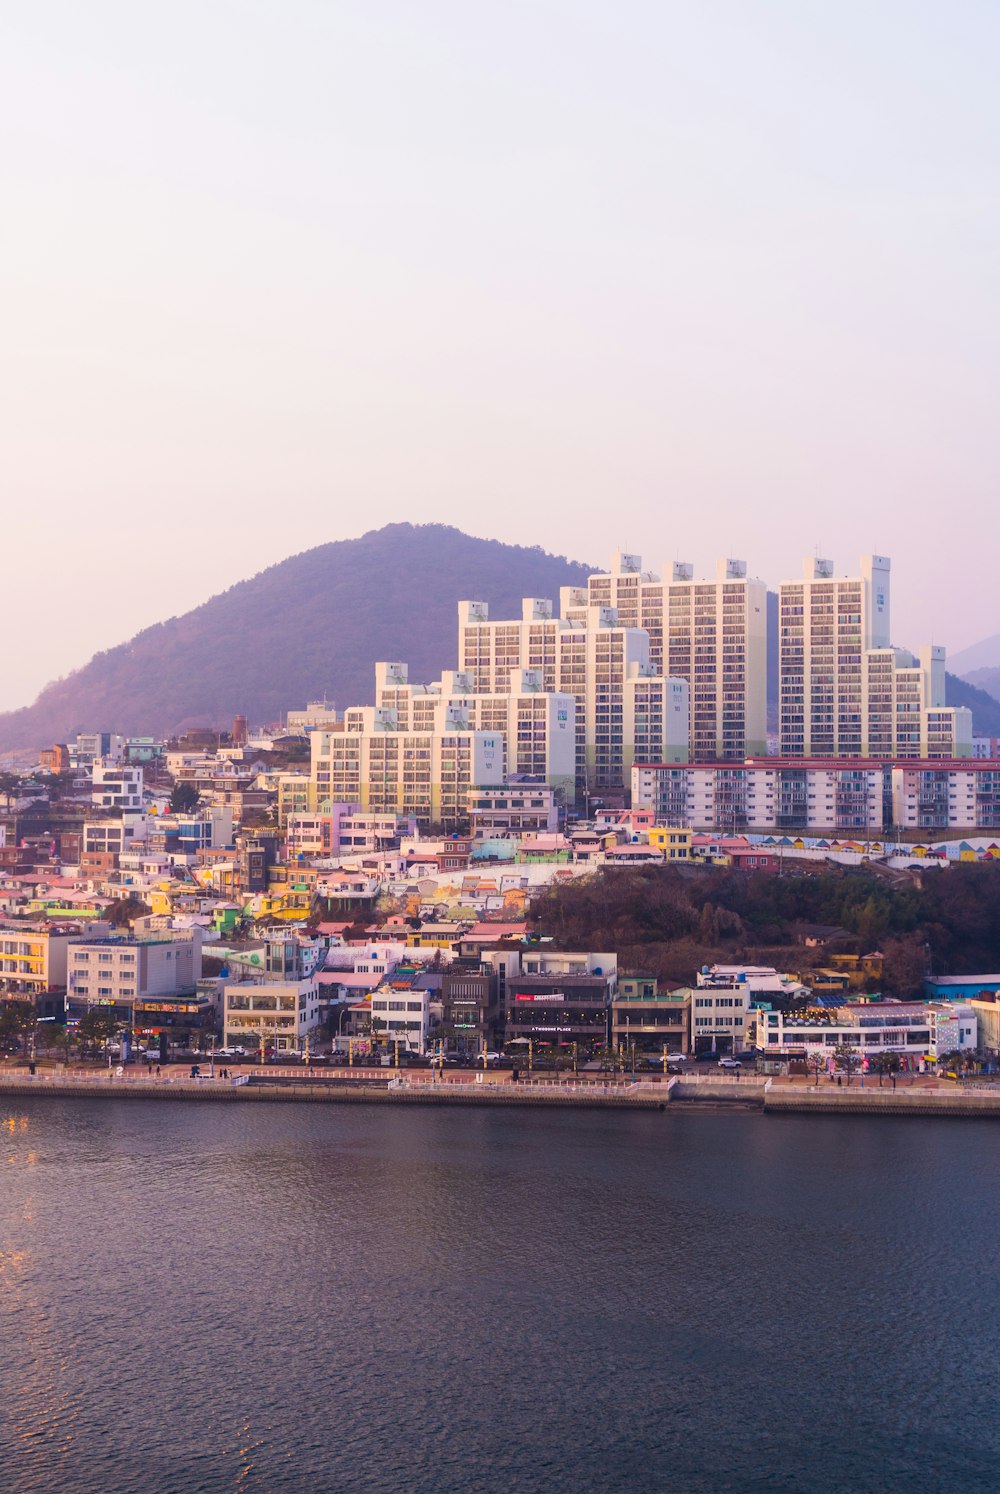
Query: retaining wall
{"points": [[821, 1100]]}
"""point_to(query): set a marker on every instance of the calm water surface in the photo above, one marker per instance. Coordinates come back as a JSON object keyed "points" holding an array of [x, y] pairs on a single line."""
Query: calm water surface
{"points": [[257, 1298]]}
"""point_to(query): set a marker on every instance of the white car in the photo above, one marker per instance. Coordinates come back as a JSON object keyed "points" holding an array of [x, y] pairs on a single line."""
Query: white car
{"points": [[730, 1064]]}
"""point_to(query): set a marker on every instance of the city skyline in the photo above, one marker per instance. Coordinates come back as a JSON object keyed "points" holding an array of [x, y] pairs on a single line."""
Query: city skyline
{"points": [[906, 602]]}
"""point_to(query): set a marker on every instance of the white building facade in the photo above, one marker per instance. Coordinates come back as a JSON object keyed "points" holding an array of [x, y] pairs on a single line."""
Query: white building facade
{"points": [[710, 634], [383, 769], [844, 690], [854, 796]]}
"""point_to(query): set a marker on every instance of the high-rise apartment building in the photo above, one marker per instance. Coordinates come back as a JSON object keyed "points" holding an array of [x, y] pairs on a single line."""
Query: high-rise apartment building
{"points": [[712, 634], [588, 654], [826, 625], [715, 637], [384, 769], [844, 690], [538, 726]]}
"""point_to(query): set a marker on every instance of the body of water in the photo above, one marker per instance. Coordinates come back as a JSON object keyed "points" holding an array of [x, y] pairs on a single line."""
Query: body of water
{"points": [[255, 1297]]}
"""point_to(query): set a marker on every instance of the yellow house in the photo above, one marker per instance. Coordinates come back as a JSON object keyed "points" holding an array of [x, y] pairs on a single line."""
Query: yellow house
{"points": [[286, 905], [673, 842]]}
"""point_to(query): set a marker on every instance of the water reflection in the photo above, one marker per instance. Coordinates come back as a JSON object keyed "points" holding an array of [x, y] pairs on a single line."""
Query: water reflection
{"points": [[248, 1297]]}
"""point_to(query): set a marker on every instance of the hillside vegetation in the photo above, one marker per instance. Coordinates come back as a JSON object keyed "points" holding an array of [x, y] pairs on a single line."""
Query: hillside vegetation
{"points": [[669, 921], [310, 626], [987, 680]]}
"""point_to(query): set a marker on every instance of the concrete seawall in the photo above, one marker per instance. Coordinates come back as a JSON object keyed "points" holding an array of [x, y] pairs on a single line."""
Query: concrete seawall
{"points": [[774, 1097], [796, 1099], [590, 1097], [712, 1090]]}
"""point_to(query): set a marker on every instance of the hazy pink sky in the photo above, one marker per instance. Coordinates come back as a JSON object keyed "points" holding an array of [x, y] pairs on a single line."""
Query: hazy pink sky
{"points": [[684, 279]]}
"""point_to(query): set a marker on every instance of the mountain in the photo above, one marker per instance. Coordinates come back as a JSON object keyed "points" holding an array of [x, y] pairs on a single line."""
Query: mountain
{"points": [[313, 626], [985, 679], [985, 709], [308, 627], [982, 655]]}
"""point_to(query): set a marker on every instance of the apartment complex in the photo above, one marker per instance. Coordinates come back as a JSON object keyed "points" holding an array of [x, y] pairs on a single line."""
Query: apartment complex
{"points": [[711, 634], [844, 690], [862, 797], [589, 654], [538, 725], [903, 707], [376, 764]]}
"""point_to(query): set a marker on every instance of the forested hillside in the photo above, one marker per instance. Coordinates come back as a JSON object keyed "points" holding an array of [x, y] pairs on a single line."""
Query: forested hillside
{"points": [[309, 627], [670, 921]]}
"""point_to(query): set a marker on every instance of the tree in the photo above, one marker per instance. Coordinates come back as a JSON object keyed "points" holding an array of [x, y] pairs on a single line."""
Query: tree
{"points": [[97, 1027], [10, 786], [258, 818], [15, 1019], [49, 1035], [959, 1060], [884, 1063], [125, 910], [905, 966], [816, 1063], [184, 798], [848, 1059]]}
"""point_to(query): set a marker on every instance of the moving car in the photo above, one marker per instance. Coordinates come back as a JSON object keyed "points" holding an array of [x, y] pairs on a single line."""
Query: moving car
{"points": [[730, 1064]]}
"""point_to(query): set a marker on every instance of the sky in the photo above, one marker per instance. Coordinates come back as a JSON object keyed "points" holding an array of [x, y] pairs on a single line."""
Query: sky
{"points": [[683, 279]]}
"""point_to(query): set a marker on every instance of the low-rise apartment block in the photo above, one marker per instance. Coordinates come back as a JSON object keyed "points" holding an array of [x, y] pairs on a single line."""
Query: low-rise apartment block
{"points": [[116, 787], [113, 971], [862, 797]]}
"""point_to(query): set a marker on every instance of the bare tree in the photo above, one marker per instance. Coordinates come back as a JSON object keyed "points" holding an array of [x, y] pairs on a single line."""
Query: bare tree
{"points": [[848, 1059]]}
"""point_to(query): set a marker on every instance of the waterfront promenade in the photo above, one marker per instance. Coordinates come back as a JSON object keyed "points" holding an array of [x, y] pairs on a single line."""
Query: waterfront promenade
{"points": [[914, 1095]]}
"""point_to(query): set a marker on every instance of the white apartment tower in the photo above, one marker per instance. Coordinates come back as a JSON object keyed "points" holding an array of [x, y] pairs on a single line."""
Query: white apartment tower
{"points": [[826, 626], [377, 764], [903, 707], [538, 726], [713, 634], [715, 637], [588, 654], [844, 690]]}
